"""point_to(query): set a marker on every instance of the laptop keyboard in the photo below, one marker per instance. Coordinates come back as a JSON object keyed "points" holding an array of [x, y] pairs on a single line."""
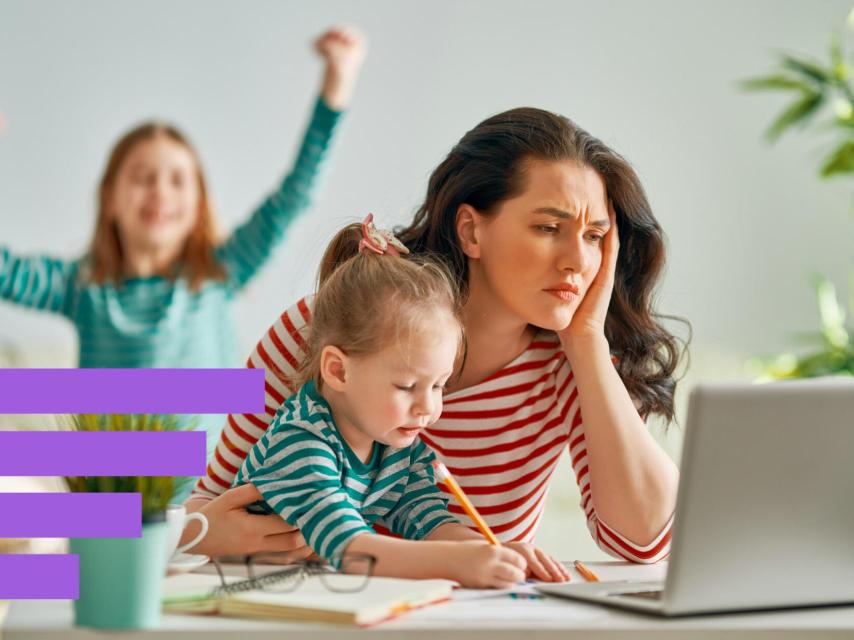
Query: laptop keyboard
{"points": [[647, 595]]}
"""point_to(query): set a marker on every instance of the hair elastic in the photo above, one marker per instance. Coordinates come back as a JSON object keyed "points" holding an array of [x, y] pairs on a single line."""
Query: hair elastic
{"points": [[379, 241]]}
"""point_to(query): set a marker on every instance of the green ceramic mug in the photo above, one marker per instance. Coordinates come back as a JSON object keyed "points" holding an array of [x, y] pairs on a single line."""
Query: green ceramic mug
{"points": [[121, 579]]}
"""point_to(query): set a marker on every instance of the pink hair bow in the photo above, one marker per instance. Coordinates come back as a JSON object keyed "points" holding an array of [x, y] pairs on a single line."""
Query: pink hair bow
{"points": [[379, 241]]}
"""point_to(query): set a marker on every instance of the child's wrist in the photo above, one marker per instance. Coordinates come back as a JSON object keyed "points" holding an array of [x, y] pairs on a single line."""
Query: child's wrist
{"points": [[337, 89], [454, 561]]}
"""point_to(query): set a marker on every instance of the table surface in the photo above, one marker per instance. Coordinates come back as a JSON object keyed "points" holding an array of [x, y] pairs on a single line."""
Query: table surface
{"points": [[493, 618], [498, 618]]}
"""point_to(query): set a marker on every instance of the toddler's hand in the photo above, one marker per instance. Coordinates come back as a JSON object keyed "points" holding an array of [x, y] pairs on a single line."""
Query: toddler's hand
{"points": [[479, 565], [540, 565]]}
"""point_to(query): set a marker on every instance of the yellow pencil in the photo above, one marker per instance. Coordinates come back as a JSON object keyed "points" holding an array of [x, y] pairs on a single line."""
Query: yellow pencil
{"points": [[445, 476], [586, 573]]}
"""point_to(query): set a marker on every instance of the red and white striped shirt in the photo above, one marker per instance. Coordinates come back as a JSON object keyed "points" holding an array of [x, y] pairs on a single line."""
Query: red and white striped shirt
{"points": [[501, 438]]}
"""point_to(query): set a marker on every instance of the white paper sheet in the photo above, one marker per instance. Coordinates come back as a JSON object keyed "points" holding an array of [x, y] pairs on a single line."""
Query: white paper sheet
{"points": [[503, 611]]}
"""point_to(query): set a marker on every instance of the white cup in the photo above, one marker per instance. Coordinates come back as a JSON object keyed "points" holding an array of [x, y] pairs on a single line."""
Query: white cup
{"points": [[177, 518]]}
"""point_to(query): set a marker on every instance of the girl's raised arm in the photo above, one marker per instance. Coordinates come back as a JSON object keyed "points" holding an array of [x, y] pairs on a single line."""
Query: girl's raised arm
{"points": [[39, 282], [252, 244]]}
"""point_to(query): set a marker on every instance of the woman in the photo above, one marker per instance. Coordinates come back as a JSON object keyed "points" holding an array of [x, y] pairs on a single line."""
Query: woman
{"points": [[553, 242]]}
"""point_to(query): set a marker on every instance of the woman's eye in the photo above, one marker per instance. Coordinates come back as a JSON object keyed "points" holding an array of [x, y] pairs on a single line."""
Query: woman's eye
{"points": [[595, 237], [405, 387]]}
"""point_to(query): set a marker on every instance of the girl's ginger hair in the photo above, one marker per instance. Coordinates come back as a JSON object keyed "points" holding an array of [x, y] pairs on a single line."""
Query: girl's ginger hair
{"points": [[366, 302], [199, 263]]}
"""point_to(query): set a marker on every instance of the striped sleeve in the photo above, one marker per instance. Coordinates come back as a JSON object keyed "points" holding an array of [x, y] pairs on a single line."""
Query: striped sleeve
{"points": [[36, 281], [251, 244], [617, 545], [422, 506], [608, 539], [279, 353], [298, 476]]}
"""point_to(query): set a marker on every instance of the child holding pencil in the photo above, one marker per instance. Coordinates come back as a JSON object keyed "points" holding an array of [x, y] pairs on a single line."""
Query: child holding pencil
{"points": [[343, 453]]}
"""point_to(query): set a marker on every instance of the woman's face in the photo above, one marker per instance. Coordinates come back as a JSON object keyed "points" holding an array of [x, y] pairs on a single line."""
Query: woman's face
{"points": [[539, 252]]}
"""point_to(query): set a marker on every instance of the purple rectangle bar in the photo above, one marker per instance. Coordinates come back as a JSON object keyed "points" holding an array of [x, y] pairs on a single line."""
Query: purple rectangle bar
{"points": [[193, 391], [70, 515], [39, 577], [102, 453]]}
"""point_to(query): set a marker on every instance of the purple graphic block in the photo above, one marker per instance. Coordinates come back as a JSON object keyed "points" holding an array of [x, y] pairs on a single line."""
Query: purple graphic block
{"points": [[70, 515], [37, 577], [102, 453], [192, 391]]}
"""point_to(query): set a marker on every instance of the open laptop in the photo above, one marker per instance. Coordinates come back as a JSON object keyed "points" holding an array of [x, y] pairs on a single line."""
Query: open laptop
{"points": [[765, 510]]}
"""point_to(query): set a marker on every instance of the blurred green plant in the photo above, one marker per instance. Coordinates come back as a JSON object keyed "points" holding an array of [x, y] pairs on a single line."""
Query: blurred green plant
{"points": [[156, 491], [818, 88], [834, 354]]}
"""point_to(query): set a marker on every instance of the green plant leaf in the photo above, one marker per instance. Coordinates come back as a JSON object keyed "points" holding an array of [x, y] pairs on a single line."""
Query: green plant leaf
{"points": [[841, 160], [844, 111], [836, 56], [774, 83], [807, 338], [823, 363], [807, 69], [842, 123], [840, 70], [832, 315], [796, 112], [156, 491]]}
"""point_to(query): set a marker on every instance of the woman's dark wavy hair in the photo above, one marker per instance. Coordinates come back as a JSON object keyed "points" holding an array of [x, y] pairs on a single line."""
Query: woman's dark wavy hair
{"points": [[487, 167]]}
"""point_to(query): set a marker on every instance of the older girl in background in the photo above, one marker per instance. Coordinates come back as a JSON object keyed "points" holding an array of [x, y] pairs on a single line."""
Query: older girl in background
{"points": [[156, 285]]}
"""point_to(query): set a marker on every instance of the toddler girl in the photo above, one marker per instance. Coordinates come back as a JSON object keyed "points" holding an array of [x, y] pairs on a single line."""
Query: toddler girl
{"points": [[343, 453]]}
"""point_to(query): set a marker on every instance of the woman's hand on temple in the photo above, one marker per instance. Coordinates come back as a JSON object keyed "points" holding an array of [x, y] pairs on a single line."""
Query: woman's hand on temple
{"points": [[233, 531], [589, 318]]}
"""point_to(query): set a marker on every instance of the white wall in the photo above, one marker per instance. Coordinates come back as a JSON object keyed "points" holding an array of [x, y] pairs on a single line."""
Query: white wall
{"points": [[655, 79]]}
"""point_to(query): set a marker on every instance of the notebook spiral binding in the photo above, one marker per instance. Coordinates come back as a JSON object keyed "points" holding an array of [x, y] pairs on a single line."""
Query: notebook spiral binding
{"points": [[258, 583]]}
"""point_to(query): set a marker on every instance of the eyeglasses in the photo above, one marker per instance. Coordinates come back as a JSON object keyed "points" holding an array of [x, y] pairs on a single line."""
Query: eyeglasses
{"points": [[279, 572]]}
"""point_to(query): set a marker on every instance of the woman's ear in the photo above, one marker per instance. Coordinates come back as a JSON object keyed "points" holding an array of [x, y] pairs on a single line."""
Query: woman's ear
{"points": [[333, 368], [468, 223]]}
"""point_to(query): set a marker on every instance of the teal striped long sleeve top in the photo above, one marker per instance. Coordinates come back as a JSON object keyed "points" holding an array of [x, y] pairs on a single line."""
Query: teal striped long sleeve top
{"points": [[160, 322], [308, 474]]}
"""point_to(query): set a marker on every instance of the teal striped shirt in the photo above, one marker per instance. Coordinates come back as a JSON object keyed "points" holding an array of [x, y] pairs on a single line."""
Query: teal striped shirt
{"points": [[156, 321], [307, 474]]}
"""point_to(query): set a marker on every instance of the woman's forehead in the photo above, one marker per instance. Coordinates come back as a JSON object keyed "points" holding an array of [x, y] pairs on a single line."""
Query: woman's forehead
{"points": [[562, 186]]}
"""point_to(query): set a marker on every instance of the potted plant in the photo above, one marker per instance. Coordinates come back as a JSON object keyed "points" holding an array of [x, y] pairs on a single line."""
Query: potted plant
{"points": [[121, 578], [819, 88]]}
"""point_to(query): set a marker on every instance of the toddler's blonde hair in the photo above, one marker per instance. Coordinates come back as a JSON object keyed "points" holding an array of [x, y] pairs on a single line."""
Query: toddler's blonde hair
{"points": [[366, 302]]}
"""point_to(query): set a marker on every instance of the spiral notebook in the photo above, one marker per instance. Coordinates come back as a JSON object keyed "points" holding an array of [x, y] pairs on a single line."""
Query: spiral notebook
{"points": [[381, 599]]}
